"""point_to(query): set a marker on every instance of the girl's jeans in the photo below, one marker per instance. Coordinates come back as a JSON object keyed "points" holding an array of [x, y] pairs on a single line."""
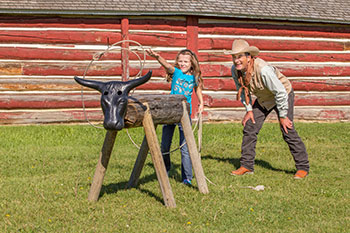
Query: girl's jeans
{"points": [[186, 164]]}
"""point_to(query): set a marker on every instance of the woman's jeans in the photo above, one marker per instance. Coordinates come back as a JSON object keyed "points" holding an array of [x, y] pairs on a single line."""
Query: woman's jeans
{"points": [[186, 164]]}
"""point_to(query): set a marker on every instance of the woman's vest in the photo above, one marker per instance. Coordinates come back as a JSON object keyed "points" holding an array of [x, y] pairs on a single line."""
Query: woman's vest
{"points": [[256, 86]]}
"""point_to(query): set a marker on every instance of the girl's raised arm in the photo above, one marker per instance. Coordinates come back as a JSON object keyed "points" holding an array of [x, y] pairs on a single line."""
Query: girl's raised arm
{"points": [[169, 68]]}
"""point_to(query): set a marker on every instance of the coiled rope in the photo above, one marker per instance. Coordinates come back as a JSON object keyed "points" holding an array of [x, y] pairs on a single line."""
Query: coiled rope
{"points": [[97, 57]]}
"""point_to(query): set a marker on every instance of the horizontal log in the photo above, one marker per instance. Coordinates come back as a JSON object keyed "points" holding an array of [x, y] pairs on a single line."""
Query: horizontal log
{"points": [[114, 69], [159, 39], [280, 57], [54, 116], [60, 37], [279, 45], [301, 99], [49, 101], [65, 84], [19, 53], [90, 37], [213, 84], [336, 113], [273, 29], [213, 100], [302, 70], [300, 114], [22, 53], [163, 23], [165, 109], [227, 84], [60, 22]]}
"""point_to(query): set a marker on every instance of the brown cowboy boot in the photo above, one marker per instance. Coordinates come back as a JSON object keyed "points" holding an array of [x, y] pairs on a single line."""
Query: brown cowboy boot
{"points": [[301, 174], [241, 171]]}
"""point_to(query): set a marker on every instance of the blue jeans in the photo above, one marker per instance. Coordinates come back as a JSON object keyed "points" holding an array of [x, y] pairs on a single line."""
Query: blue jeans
{"points": [[186, 163]]}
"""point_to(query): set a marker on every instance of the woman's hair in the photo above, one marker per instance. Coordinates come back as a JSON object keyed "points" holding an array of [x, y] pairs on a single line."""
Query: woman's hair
{"points": [[195, 69]]}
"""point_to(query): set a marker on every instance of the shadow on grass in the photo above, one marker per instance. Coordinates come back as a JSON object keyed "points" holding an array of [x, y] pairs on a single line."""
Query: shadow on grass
{"points": [[236, 163], [115, 187]]}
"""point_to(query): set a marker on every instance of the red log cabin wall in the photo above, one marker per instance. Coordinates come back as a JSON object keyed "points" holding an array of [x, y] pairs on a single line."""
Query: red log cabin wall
{"points": [[39, 56]]}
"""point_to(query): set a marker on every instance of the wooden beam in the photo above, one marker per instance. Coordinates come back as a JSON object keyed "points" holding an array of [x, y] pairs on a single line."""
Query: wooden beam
{"points": [[102, 165], [139, 164], [157, 159], [192, 148], [125, 47], [192, 44]]}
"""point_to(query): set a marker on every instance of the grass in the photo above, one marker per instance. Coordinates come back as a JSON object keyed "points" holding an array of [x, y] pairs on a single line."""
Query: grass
{"points": [[46, 172]]}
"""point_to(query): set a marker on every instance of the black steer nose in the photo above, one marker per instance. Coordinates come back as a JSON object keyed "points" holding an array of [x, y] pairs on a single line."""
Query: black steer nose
{"points": [[113, 125]]}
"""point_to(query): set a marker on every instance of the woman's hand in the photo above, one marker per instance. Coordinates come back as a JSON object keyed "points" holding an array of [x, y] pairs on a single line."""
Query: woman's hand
{"points": [[286, 123], [248, 116]]}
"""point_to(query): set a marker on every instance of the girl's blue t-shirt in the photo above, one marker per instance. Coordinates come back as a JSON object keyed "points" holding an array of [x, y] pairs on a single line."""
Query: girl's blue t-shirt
{"points": [[183, 84]]}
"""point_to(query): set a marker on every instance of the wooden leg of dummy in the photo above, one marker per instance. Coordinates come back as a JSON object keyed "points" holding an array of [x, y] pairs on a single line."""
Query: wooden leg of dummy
{"points": [[157, 159], [192, 148], [102, 165], [140, 162]]}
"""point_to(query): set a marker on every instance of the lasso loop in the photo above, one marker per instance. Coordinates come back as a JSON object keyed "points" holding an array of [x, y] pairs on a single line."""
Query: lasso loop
{"points": [[97, 57]]}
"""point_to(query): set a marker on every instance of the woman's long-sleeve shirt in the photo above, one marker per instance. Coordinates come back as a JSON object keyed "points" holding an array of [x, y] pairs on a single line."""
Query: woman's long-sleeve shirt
{"points": [[272, 83]]}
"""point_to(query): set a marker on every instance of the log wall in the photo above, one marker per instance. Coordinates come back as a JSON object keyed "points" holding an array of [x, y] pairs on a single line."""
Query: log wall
{"points": [[39, 56]]}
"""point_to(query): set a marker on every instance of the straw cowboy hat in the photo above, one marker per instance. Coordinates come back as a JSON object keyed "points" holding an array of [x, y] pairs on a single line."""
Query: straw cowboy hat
{"points": [[242, 46]]}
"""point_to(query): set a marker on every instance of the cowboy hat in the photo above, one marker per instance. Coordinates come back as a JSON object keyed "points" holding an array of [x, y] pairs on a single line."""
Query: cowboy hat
{"points": [[242, 46]]}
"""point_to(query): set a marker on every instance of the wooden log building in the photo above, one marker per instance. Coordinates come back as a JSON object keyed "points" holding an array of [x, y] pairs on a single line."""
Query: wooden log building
{"points": [[45, 43]]}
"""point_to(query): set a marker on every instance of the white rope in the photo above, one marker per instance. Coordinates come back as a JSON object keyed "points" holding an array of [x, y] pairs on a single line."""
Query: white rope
{"points": [[97, 57], [138, 146]]}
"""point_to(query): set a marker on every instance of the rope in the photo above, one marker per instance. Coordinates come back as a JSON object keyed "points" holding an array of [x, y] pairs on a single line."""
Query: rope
{"points": [[194, 128], [97, 57]]}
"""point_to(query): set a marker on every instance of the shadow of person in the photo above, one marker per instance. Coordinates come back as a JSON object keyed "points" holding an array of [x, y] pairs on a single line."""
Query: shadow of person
{"points": [[267, 165], [236, 163]]}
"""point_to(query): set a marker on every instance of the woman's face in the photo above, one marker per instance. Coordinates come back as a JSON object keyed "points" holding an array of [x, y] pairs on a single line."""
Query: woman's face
{"points": [[184, 62], [241, 61]]}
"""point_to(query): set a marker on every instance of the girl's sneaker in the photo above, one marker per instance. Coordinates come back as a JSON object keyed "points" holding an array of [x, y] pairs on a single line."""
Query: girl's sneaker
{"points": [[187, 182]]}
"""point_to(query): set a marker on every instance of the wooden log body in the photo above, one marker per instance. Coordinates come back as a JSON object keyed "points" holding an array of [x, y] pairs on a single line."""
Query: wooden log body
{"points": [[165, 109]]}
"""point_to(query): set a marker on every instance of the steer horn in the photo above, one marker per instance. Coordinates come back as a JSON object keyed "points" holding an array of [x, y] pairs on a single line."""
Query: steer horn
{"points": [[90, 83], [127, 86], [137, 82]]}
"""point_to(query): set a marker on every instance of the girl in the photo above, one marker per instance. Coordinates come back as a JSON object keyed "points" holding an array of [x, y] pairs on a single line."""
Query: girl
{"points": [[184, 76]]}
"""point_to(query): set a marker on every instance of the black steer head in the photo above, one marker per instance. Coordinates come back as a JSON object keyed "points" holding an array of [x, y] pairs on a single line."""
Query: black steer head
{"points": [[114, 98]]}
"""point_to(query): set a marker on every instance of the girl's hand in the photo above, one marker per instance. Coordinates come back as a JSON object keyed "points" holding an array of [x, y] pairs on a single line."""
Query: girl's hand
{"points": [[153, 54]]}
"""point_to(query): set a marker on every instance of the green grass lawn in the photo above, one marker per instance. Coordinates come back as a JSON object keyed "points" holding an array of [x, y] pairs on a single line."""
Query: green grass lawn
{"points": [[46, 172]]}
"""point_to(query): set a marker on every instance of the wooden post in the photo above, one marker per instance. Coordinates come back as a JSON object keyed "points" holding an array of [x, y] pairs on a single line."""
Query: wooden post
{"points": [[192, 148], [157, 159], [102, 165], [192, 44], [125, 46], [200, 132], [140, 162]]}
